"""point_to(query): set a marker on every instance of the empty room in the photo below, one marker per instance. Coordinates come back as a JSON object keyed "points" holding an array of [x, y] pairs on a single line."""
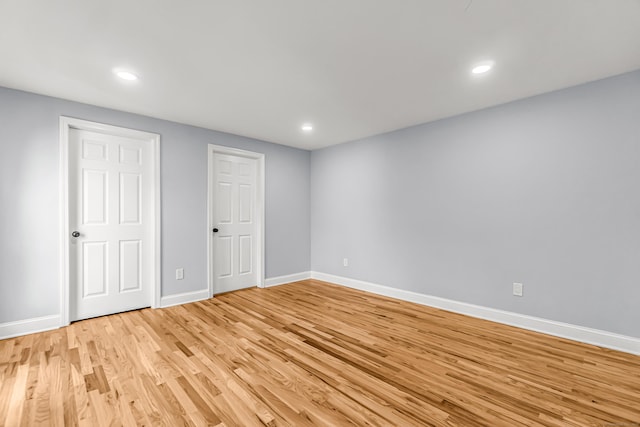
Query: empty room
{"points": [[320, 213]]}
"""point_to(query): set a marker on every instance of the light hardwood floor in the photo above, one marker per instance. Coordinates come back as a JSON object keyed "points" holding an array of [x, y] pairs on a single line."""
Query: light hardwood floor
{"points": [[310, 353]]}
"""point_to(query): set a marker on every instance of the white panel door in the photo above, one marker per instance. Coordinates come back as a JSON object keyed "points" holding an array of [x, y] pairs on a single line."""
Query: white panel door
{"points": [[110, 218], [234, 222]]}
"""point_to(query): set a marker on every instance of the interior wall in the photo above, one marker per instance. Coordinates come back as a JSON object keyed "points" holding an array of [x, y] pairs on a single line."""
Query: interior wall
{"points": [[29, 200], [543, 191]]}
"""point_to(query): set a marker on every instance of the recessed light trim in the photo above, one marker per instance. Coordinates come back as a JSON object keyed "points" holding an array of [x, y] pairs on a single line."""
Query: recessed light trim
{"points": [[307, 127], [126, 75], [482, 67]]}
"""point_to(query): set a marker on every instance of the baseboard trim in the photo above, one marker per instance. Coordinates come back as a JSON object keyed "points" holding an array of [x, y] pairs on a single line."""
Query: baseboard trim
{"points": [[184, 298], [564, 330], [29, 326], [47, 323], [551, 327], [289, 278]]}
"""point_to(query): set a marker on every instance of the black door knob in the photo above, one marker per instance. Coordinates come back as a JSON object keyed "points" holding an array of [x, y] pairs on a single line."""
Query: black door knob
{"points": [[76, 234], [215, 230]]}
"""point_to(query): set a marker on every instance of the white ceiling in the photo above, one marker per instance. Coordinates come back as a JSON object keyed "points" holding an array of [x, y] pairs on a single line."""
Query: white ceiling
{"points": [[353, 68]]}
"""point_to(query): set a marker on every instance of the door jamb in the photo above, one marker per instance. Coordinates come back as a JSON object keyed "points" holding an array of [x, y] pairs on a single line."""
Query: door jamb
{"points": [[260, 209], [66, 124]]}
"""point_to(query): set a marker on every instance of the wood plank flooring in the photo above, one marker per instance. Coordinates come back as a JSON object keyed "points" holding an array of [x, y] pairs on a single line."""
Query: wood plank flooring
{"points": [[305, 354]]}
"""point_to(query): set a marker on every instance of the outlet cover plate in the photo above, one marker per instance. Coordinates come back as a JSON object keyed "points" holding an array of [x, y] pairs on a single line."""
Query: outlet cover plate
{"points": [[518, 289]]}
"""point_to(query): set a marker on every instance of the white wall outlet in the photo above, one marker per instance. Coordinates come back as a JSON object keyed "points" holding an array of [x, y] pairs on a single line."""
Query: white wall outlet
{"points": [[179, 273], [517, 289], [345, 262]]}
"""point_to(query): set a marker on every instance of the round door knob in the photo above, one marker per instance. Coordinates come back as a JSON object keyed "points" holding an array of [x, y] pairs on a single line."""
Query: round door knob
{"points": [[215, 230], [76, 234]]}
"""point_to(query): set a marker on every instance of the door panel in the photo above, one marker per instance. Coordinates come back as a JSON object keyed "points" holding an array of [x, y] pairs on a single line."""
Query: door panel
{"points": [[245, 203], [94, 268], [130, 265], [224, 202], [93, 150], [94, 200], [224, 256], [111, 207], [246, 247], [234, 212], [130, 198], [130, 155]]}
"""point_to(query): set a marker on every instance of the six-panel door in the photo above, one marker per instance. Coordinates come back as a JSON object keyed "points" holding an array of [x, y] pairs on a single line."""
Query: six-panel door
{"points": [[234, 216], [110, 208]]}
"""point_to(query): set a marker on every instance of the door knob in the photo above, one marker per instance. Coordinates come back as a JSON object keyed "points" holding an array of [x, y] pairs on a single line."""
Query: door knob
{"points": [[215, 230], [76, 234]]}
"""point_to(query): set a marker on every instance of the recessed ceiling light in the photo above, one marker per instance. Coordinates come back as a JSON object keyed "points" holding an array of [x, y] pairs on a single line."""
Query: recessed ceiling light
{"points": [[126, 75], [307, 127], [482, 67]]}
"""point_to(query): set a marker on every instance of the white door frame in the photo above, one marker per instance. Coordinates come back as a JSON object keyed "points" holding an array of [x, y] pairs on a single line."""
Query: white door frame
{"points": [[66, 124], [259, 157]]}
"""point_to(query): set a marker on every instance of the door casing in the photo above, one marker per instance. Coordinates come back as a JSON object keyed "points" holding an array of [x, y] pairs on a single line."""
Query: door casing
{"points": [[66, 124], [260, 210]]}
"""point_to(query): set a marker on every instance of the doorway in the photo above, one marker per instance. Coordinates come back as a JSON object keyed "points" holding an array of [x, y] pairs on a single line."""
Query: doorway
{"points": [[236, 219], [110, 220]]}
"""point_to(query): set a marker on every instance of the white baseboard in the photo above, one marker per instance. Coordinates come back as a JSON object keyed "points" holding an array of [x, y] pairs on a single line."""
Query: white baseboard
{"points": [[29, 326], [281, 280], [47, 323], [551, 327], [183, 298]]}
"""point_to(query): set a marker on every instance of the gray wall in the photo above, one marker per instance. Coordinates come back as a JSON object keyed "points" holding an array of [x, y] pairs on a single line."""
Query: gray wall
{"points": [[29, 205], [544, 191]]}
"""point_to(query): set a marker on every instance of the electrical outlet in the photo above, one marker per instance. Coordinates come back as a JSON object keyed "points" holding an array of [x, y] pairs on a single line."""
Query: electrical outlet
{"points": [[518, 289], [179, 273], [345, 262]]}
